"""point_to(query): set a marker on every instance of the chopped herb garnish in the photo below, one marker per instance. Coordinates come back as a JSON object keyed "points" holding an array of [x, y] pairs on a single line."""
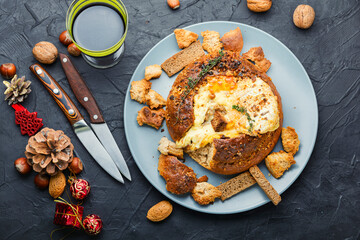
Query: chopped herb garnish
{"points": [[205, 69], [244, 111], [193, 81]]}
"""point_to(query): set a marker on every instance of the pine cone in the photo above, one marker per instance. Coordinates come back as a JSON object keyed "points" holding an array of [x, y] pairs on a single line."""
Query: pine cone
{"points": [[17, 90], [49, 151]]}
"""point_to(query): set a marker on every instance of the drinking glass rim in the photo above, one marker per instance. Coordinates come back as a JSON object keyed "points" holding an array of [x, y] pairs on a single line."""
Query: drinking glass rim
{"points": [[70, 17]]}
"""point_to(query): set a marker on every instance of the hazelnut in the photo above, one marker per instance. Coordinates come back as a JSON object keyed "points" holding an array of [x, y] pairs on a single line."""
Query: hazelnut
{"points": [[173, 4], [45, 52], [41, 181], [304, 16], [73, 50], [64, 38], [76, 166], [259, 5], [8, 70], [22, 166]]}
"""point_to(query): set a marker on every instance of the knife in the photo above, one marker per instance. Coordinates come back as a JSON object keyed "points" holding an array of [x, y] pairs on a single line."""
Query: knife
{"points": [[82, 130], [97, 122]]}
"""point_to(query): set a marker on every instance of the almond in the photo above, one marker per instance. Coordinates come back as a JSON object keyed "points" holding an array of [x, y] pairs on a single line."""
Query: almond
{"points": [[159, 211], [57, 185]]}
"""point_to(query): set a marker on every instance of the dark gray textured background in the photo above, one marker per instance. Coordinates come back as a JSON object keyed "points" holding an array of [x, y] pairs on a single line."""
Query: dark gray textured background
{"points": [[324, 201]]}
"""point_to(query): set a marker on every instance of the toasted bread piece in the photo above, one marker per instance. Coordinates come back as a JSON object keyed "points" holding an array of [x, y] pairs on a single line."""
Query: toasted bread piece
{"points": [[154, 100], [152, 71], [265, 185], [211, 42], [236, 185], [290, 140], [139, 89], [203, 179], [185, 37], [256, 54], [168, 147], [218, 122], [180, 179], [278, 162], [153, 118], [181, 59], [204, 193], [233, 40]]}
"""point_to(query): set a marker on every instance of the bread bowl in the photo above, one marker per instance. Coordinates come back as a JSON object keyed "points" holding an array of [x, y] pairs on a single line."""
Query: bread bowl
{"points": [[247, 100]]}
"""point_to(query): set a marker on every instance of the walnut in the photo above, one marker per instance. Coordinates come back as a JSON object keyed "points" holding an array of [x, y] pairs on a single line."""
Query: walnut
{"points": [[259, 5], [304, 16], [45, 52]]}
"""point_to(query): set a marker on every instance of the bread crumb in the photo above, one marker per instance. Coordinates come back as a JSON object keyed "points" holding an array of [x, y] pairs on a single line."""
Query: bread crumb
{"points": [[211, 42], [152, 71], [290, 140], [154, 99], [184, 37], [168, 147], [139, 89], [153, 118], [204, 193], [256, 54], [278, 162], [233, 40]]}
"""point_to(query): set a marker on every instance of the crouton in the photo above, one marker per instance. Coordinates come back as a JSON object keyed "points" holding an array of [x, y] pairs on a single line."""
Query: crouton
{"points": [[211, 42], [152, 71], [154, 100], [256, 54], [139, 89], [185, 37], [278, 162], [269, 190], [204, 193], [233, 40], [153, 118], [202, 179], [290, 140], [168, 147], [180, 179], [236, 185], [218, 122], [181, 59]]}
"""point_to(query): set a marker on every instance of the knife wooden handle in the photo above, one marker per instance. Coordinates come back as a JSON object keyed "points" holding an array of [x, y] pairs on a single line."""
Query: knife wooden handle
{"points": [[59, 95], [81, 90]]}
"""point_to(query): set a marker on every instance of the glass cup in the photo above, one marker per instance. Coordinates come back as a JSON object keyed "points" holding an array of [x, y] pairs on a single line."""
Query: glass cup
{"points": [[96, 56]]}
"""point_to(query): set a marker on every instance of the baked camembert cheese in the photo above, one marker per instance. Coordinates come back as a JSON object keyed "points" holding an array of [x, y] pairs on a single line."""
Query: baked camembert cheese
{"points": [[224, 112], [258, 110]]}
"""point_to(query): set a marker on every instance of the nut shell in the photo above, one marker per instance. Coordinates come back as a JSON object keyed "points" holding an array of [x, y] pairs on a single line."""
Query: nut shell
{"points": [[41, 181], [160, 211], [73, 50], [64, 38], [76, 166], [259, 5], [45, 52], [8, 70], [57, 185], [22, 166], [173, 4], [304, 16]]}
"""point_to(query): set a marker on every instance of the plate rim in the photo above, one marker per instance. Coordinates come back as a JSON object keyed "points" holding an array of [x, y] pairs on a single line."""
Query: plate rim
{"points": [[205, 210]]}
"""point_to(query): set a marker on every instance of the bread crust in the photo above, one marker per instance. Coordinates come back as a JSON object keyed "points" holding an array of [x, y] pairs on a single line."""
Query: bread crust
{"points": [[230, 155]]}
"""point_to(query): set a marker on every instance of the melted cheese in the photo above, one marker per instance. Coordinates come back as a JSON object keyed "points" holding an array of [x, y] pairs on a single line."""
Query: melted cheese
{"points": [[224, 91]]}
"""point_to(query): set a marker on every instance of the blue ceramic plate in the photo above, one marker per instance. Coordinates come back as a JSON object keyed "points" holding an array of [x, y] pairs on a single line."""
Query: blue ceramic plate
{"points": [[299, 106]]}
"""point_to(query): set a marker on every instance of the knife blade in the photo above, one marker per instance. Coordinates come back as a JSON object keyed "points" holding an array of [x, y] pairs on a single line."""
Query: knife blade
{"points": [[98, 124], [82, 130]]}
